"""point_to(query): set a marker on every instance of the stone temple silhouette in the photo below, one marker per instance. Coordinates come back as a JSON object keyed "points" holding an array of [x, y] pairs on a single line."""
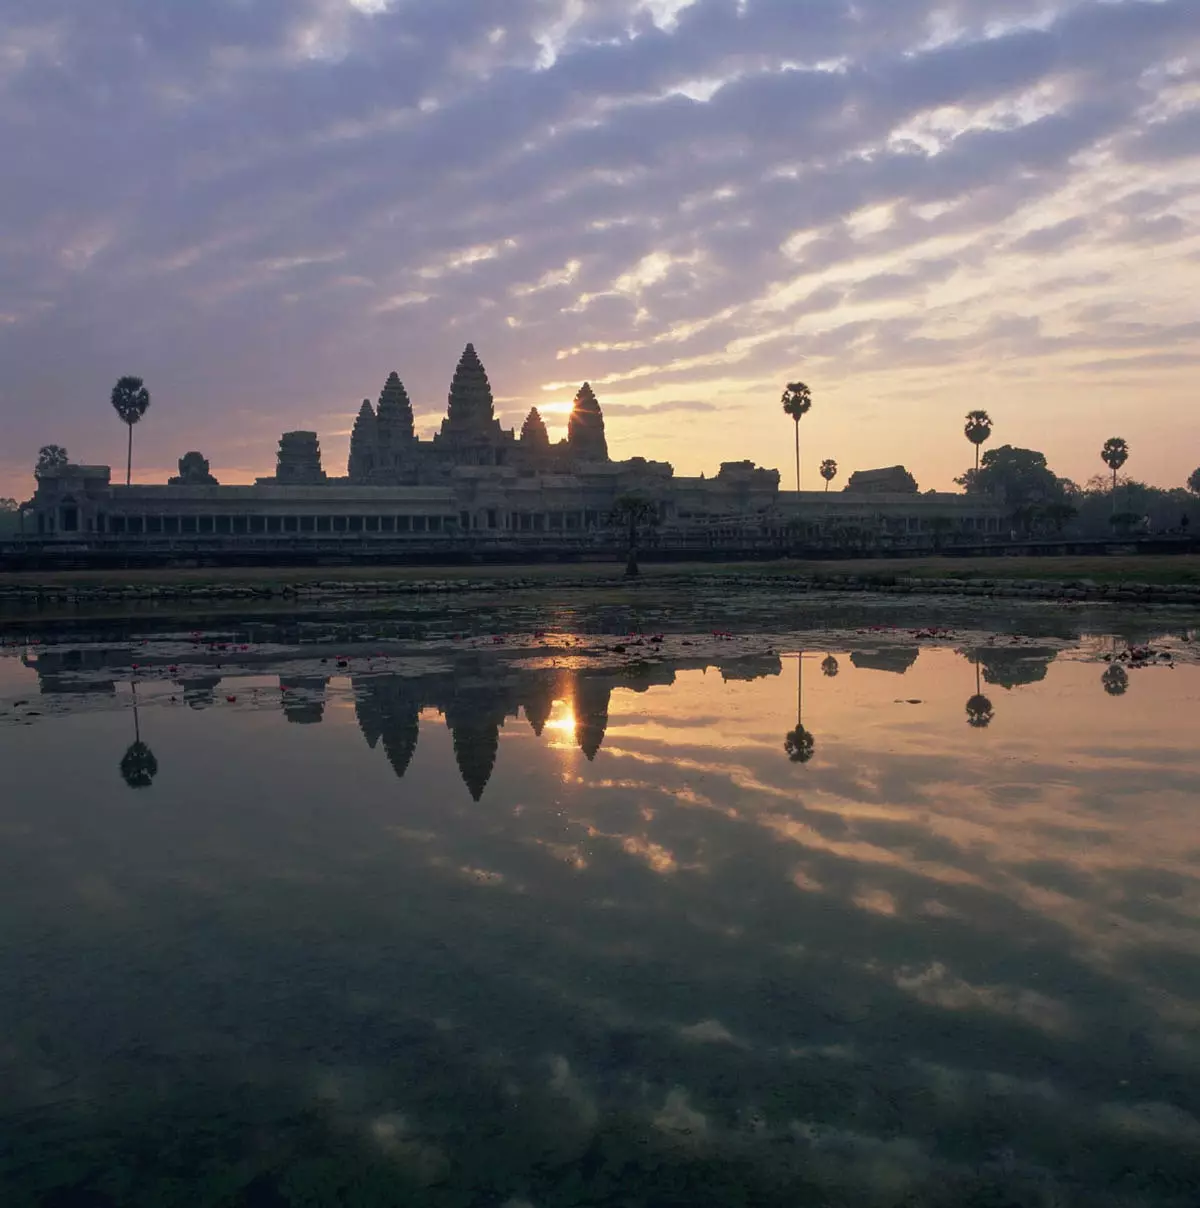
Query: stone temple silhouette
{"points": [[479, 481]]}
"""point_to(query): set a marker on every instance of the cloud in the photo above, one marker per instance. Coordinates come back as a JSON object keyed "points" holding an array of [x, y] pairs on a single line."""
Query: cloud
{"points": [[622, 410], [272, 205]]}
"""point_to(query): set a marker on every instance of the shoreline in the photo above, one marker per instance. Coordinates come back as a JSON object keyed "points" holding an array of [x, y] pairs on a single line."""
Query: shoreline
{"points": [[1153, 580]]}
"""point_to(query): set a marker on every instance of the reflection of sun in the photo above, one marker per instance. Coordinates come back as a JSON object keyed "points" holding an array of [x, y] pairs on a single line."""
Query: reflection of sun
{"points": [[562, 723]]}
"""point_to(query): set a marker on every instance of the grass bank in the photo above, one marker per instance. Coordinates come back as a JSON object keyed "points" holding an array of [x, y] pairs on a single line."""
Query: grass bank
{"points": [[1165, 569]]}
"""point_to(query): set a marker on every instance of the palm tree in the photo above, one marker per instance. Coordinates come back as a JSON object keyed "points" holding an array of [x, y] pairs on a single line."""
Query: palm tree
{"points": [[138, 765], [828, 470], [1115, 679], [130, 398], [979, 708], [1114, 455], [797, 402], [799, 743], [636, 512], [977, 429]]}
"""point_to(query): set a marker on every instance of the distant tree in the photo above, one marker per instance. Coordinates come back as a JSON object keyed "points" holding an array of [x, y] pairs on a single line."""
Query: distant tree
{"points": [[636, 513], [978, 429], [130, 398], [797, 402], [828, 471], [1124, 523], [50, 457], [1058, 515], [829, 665], [1114, 455], [1020, 476], [1193, 482], [1115, 679]]}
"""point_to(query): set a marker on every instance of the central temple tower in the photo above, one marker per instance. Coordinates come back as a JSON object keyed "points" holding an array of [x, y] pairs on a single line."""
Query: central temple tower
{"points": [[471, 433]]}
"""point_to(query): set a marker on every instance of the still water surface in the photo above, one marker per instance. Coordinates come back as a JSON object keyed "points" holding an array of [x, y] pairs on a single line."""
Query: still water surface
{"points": [[870, 927]]}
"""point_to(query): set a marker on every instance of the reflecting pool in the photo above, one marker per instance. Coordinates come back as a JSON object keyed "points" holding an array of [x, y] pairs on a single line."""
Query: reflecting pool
{"points": [[883, 923]]}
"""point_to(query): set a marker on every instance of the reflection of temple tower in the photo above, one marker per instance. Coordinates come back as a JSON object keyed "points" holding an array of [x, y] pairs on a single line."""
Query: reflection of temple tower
{"points": [[303, 698], [591, 713], [539, 696], [387, 710], [476, 742]]}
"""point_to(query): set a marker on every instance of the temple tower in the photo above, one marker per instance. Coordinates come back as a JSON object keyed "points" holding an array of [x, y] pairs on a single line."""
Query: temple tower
{"points": [[470, 402], [471, 433], [585, 429], [394, 424], [298, 462], [364, 445], [534, 436]]}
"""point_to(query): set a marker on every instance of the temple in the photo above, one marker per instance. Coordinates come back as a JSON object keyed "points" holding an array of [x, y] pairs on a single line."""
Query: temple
{"points": [[490, 486]]}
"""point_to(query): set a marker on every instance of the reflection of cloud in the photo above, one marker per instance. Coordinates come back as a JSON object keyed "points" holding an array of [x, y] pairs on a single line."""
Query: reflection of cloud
{"points": [[937, 986]]}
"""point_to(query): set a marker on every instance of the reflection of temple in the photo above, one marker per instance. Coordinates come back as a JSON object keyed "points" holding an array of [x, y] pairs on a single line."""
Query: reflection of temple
{"points": [[75, 670], [387, 708], [887, 658], [476, 699], [303, 698], [1012, 666], [592, 694], [199, 690]]}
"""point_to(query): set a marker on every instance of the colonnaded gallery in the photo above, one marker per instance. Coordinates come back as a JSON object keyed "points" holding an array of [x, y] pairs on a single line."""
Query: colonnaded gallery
{"points": [[476, 480]]}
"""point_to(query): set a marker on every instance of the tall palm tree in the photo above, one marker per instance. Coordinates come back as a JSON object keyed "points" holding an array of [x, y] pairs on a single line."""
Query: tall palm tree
{"points": [[977, 429], [1114, 455], [828, 470], [130, 398], [138, 765], [797, 402], [979, 708], [799, 743]]}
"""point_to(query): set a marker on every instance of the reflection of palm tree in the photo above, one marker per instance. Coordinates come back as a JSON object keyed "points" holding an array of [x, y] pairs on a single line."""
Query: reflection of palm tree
{"points": [[799, 743], [979, 708], [1115, 679], [138, 765], [829, 665]]}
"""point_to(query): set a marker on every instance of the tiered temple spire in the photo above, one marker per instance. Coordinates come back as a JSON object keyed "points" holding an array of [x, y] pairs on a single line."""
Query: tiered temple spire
{"points": [[470, 400], [364, 443], [585, 429], [533, 432], [395, 414]]}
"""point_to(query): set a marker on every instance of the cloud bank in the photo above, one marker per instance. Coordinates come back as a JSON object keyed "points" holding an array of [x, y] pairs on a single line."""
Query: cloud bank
{"points": [[917, 206]]}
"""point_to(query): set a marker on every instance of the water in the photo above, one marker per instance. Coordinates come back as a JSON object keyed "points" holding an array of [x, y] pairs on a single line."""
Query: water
{"points": [[544, 927]]}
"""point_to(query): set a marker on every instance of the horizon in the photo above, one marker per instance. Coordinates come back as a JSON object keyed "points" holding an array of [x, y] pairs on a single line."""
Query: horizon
{"points": [[915, 209]]}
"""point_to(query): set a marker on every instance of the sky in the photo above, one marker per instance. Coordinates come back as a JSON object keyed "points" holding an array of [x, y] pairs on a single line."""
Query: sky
{"points": [[917, 207]]}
